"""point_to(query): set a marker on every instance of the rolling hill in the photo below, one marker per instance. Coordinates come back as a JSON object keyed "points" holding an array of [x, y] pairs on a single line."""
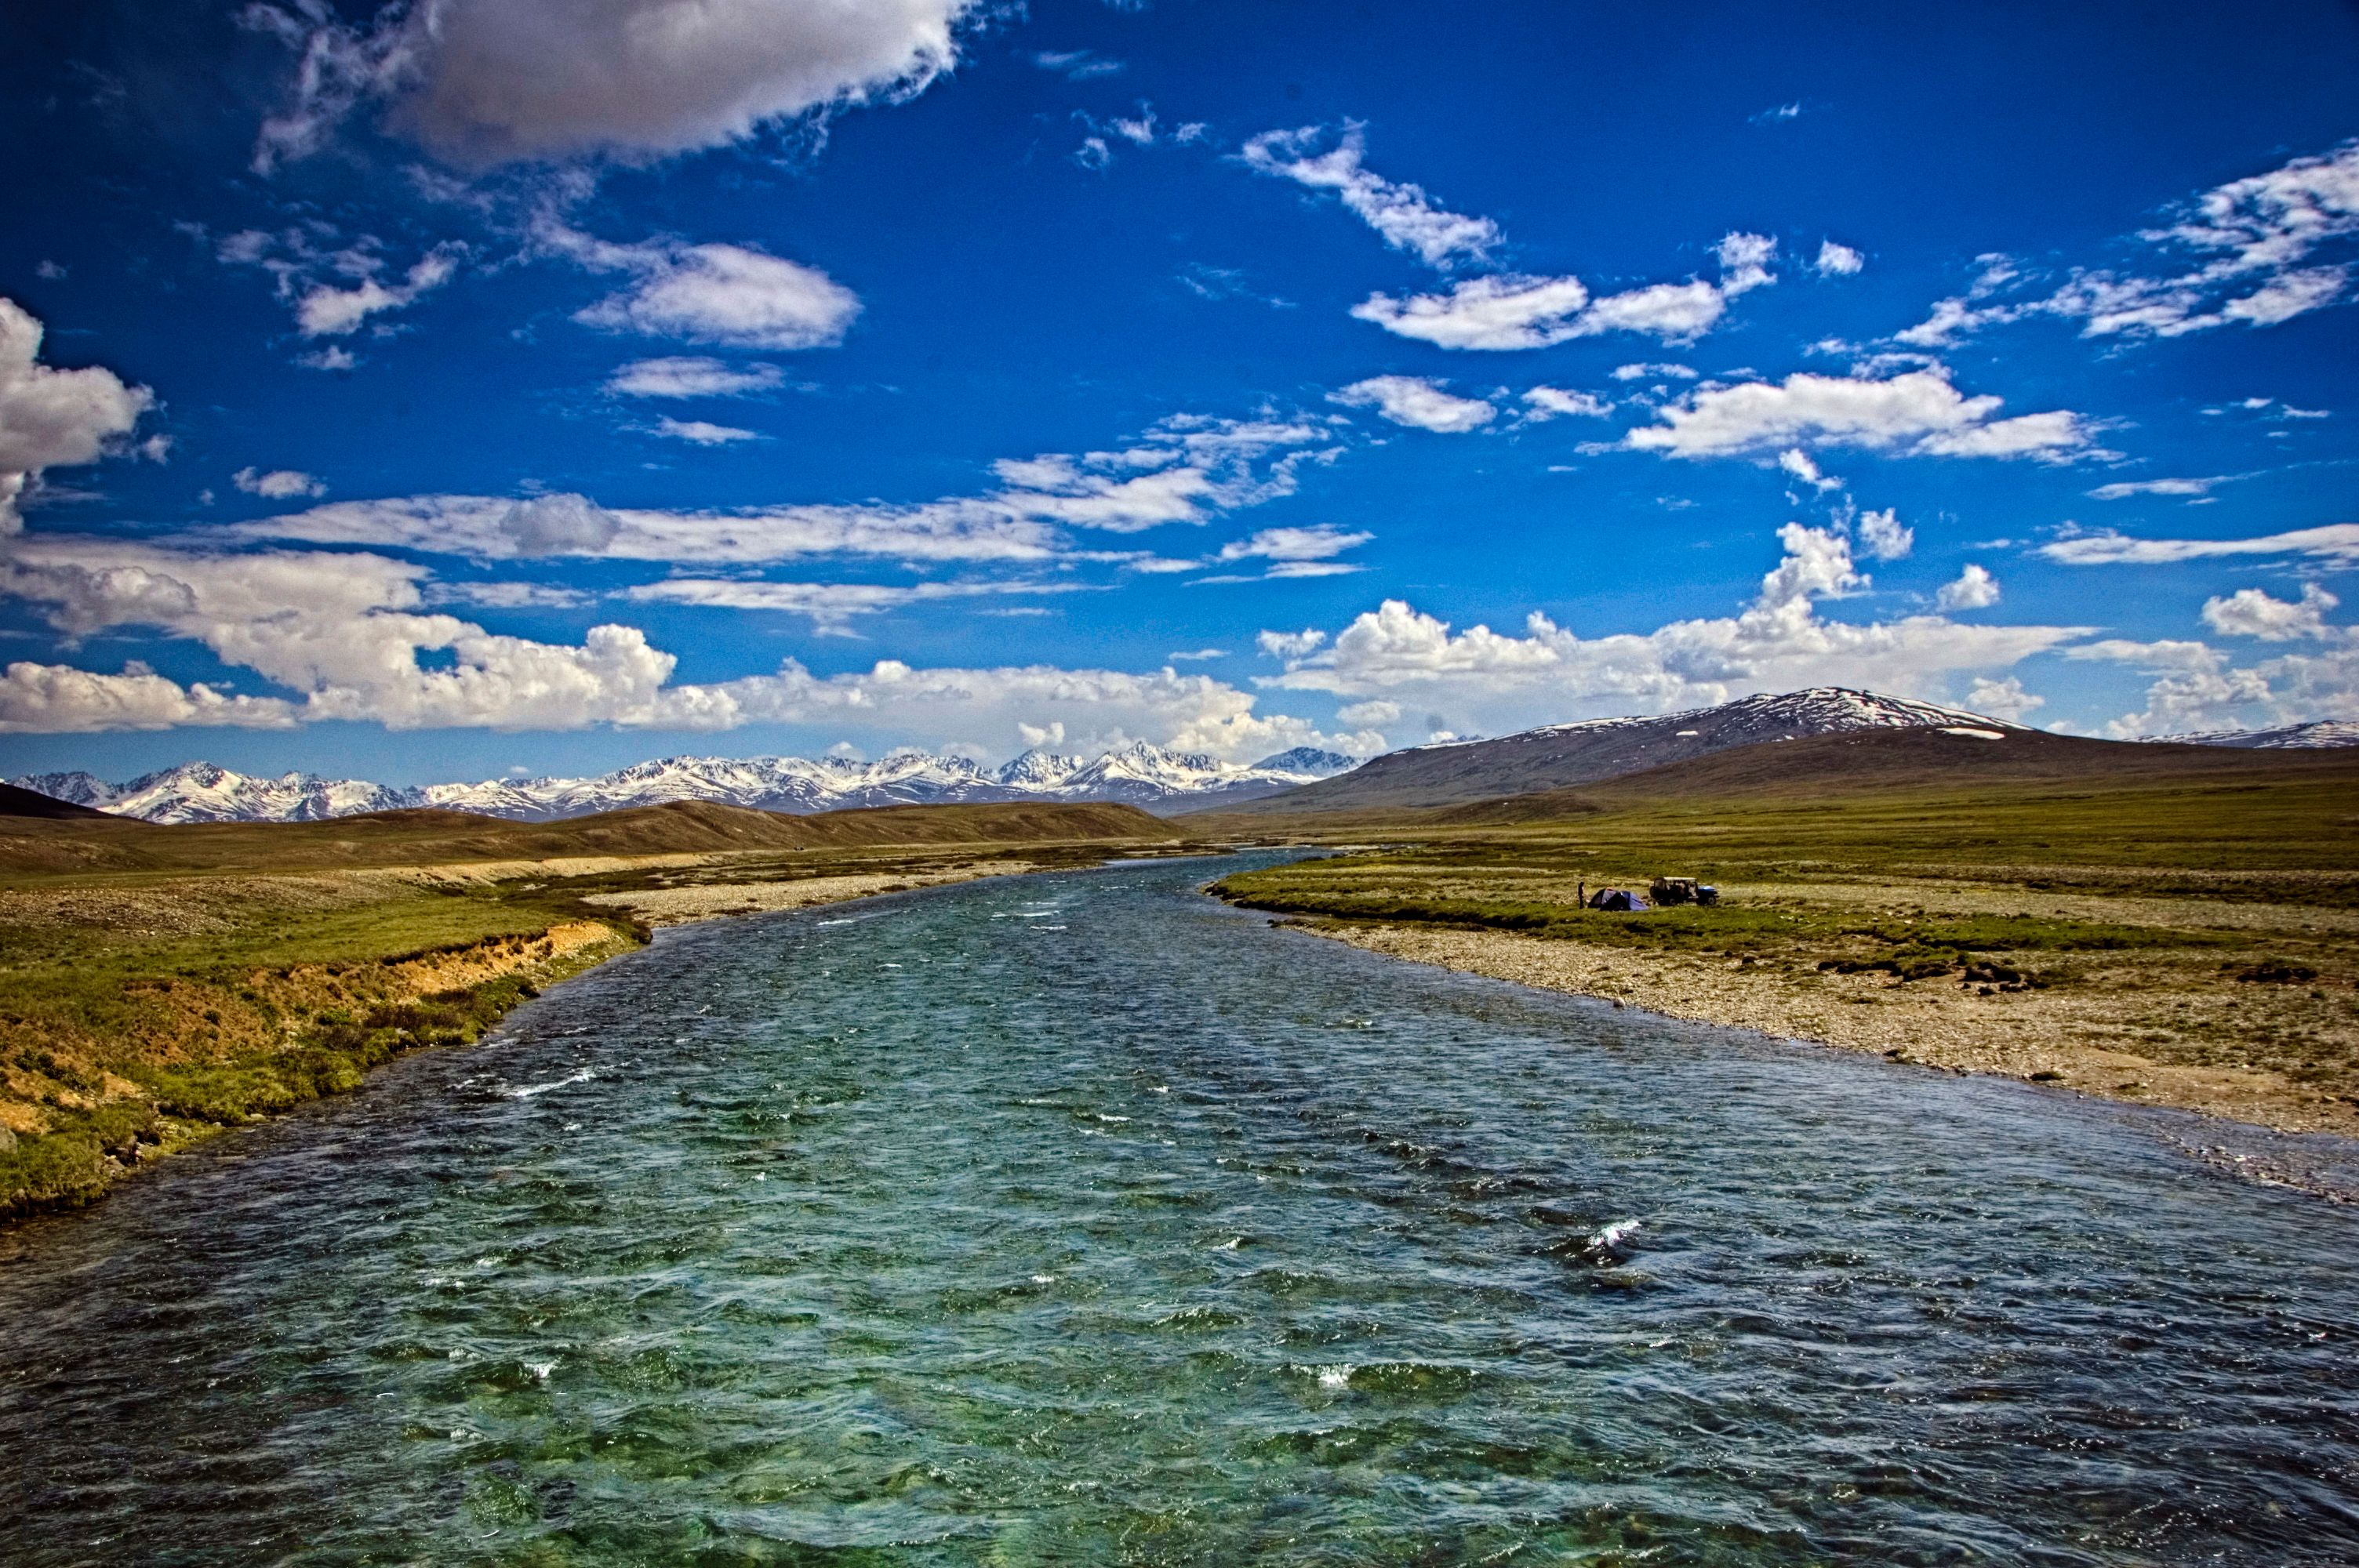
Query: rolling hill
{"points": [[1561, 755], [50, 846]]}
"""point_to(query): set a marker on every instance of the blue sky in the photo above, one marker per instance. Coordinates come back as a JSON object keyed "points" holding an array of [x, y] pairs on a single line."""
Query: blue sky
{"points": [[435, 392]]}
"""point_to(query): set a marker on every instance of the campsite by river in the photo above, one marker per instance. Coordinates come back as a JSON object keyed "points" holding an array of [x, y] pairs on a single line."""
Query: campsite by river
{"points": [[1081, 1217]]}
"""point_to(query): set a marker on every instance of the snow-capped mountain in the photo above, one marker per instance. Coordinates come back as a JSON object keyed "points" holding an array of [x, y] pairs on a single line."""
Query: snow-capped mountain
{"points": [[2317, 733], [1557, 756], [1139, 775]]}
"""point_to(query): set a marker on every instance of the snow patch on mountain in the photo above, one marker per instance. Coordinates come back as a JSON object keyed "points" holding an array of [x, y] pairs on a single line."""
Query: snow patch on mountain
{"points": [[1139, 775], [2318, 733]]}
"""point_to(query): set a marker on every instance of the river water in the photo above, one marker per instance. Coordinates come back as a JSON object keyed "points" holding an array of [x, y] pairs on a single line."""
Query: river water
{"points": [[1081, 1219]]}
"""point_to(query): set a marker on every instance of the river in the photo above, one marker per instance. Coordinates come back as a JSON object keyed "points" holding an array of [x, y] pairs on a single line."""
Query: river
{"points": [[1081, 1219]]}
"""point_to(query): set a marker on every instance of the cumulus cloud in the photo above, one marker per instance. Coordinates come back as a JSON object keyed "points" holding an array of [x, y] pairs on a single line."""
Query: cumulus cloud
{"points": [[325, 310], [561, 524], [1510, 311], [2246, 251], [1402, 214], [51, 418], [1798, 463], [704, 432], [1505, 311], [691, 376], [1883, 537], [1289, 644], [490, 82], [2251, 612], [2335, 542], [58, 699], [1486, 681], [1550, 403], [346, 635], [1973, 588], [1652, 371], [334, 286], [1837, 261], [1419, 402], [730, 295], [278, 484], [2004, 699], [1914, 412]]}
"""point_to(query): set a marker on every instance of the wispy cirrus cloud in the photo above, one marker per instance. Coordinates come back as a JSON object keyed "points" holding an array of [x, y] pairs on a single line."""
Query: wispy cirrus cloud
{"points": [[2334, 542], [2254, 252]]}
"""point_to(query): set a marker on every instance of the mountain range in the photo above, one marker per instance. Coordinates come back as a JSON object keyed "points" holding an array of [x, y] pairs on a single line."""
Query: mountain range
{"points": [[1138, 774], [1452, 772]]}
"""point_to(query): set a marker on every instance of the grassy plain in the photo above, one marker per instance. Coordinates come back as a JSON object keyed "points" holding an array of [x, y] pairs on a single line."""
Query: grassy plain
{"points": [[158, 985], [2191, 941]]}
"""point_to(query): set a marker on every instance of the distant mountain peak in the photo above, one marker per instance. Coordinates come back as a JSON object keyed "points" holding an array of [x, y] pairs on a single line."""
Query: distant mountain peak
{"points": [[1586, 750], [1140, 773], [2318, 733]]}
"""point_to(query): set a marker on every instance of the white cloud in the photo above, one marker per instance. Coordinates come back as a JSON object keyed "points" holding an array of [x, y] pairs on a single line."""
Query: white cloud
{"points": [[1511, 311], [2251, 243], [1797, 463], [2250, 612], [1317, 542], [1744, 261], [2126, 487], [722, 293], [2335, 542], [1884, 537], [327, 312], [2004, 699], [334, 357], [1377, 713], [1657, 372], [691, 376], [50, 417], [1076, 65], [488, 82], [1550, 402], [560, 525], [1837, 261], [343, 633], [1197, 656], [1776, 115], [829, 605], [704, 432], [1973, 588], [1490, 682], [1186, 469], [1402, 213], [1419, 402], [1289, 644], [279, 484], [58, 699], [1916, 412]]}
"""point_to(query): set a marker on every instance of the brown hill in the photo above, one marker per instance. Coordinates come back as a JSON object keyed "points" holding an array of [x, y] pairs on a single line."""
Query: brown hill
{"points": [[1920, 763], [100, 843], [15, 802]]}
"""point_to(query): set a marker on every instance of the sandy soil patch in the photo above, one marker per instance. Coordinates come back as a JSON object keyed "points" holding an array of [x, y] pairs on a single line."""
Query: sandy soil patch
{"points": [[2084, 1043]]}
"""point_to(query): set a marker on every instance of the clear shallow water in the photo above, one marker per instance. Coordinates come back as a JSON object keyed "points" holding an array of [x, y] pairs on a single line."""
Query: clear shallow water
{"points": [[1079, 1219]]}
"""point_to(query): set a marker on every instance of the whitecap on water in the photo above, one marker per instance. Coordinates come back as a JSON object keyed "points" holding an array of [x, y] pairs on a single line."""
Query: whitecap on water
{"points": [[531, 1090]]}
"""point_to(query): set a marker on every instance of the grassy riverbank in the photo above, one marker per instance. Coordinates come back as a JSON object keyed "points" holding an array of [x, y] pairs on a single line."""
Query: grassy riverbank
{"points": [[2188, 942], [159, 985]]}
